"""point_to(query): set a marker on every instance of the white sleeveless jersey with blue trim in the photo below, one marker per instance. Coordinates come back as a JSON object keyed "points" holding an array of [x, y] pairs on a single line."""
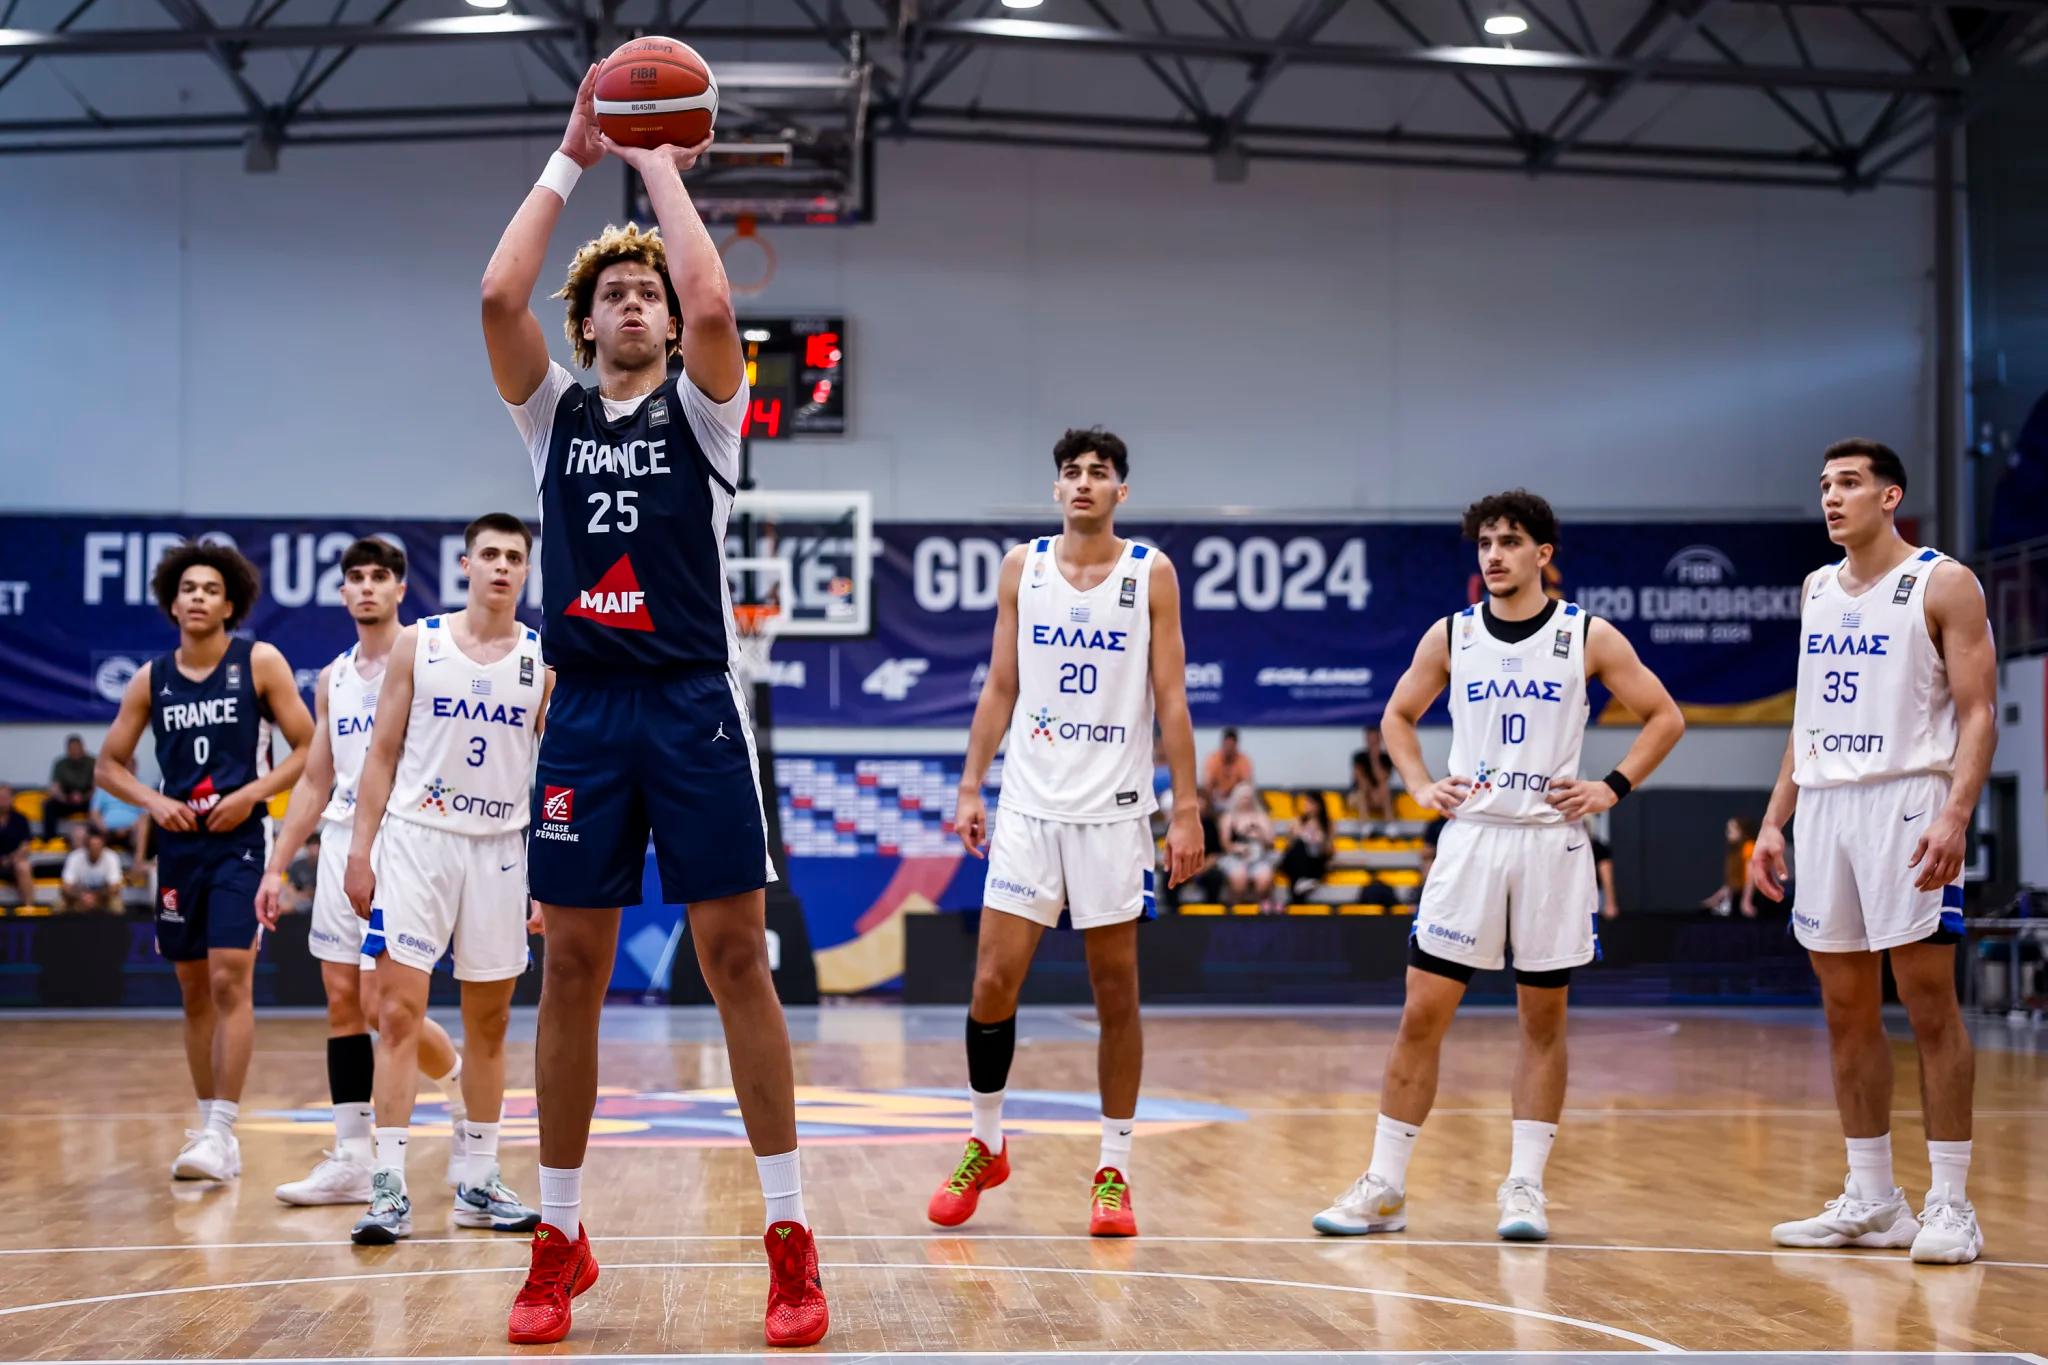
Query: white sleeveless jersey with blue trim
{"points": [[351, 707], [469, 740], [1518, 714], [1874, 699], [1080, 748]]}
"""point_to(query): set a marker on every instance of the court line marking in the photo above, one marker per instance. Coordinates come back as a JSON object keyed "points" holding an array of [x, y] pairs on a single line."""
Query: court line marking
{"points": [[1388, 1242], [1067, 1352], [1653, 1343], [1644, 1113]]}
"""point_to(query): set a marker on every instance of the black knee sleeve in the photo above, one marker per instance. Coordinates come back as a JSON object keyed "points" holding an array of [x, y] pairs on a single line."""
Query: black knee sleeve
{"points": [[1444, 967], [1554, 979], [351, 1068], [989, 1050]]}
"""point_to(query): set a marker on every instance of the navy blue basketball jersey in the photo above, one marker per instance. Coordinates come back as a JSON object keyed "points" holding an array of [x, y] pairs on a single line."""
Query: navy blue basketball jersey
{"points": [[633, 519], [212, 736]]}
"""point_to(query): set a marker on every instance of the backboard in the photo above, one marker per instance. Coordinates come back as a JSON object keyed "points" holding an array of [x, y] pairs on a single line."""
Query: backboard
{"points": [[825, 545]]}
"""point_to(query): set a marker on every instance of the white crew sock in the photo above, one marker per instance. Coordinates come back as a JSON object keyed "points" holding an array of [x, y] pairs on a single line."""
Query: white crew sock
{"points": [[391, 1152], [205, 1114], [1116, 1144], [222, 1119], [481, 1151], [1531, 1149], [782, 1187], [561, 1198], [352, 1123], [1393, 1143], [988, 1118], [1870, 1167], [450, 1087], [1950, 1162]]}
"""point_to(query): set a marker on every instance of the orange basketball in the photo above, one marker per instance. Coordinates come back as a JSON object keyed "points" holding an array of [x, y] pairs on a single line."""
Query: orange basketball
{"points": [[656, 92]]}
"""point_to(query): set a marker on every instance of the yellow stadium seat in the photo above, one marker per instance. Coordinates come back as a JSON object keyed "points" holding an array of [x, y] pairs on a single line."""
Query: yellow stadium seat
{"points": [[1244, 909], [1307, 908], [1399, 876], [1348, 876], [30, 804], [1362, 909], [1201, 908], [1279, 805], [1336, 806], [1405, 808]]}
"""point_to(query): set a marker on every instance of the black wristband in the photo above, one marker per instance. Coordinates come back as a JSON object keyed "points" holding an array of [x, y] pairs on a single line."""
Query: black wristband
{"points": [[1620, 784]]}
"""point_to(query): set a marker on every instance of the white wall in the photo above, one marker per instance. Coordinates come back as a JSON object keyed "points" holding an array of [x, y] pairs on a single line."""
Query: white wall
{"points": [[189, 337]]}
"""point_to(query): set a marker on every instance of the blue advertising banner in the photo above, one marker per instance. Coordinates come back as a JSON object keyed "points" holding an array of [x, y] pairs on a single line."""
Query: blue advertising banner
{"points": [[1287, 623]]}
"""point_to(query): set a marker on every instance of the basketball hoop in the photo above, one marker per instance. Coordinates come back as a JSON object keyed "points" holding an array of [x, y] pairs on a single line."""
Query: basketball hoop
{"points": [[755, 624], [744, 229]]}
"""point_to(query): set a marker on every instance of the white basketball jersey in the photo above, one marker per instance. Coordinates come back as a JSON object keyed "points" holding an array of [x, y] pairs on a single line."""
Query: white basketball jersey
{"points": [[1873, 698], [469, 741], [1080, 748], [1518, 714], [351, 707]]}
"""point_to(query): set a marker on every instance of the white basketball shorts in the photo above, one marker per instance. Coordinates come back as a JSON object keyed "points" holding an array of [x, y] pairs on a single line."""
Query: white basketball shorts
{"points": [[336, 933], [1052, 872], [1853, 887], [1497, 886], [437, 889]]}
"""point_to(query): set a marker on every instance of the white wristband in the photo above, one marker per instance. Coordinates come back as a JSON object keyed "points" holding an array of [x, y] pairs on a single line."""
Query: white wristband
{"points": [[561, 175]]}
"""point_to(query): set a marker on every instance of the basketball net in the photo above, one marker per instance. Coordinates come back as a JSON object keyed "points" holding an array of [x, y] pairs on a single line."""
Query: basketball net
{"points": [[755, 624]]}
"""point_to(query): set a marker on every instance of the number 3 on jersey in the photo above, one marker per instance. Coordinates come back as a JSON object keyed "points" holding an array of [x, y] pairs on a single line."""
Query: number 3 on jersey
{"points": [[602, 505], [477, 747]]}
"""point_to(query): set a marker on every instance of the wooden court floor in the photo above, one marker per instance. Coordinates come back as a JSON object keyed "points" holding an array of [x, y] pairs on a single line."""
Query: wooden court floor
{"points": [[1688, 1135]]}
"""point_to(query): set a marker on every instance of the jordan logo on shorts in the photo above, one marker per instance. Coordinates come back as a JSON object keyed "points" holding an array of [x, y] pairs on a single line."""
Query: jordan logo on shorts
{"points": [[721, 733]]}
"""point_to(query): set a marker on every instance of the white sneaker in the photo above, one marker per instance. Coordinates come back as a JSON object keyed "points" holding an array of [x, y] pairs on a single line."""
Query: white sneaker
{"points": [[1949, 1234], [339, 1179], [1370, 1205], [1851, 1222], [207, 1155], [1521, 1211]]}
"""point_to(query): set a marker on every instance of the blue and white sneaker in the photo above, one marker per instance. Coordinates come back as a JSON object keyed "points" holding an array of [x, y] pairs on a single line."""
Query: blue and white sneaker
{"points": [[492, 1205], [390, 1215], [1522, 1217]]}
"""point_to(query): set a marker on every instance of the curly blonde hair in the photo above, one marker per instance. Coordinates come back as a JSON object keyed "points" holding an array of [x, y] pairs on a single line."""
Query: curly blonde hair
{"points": [[613, 245]]}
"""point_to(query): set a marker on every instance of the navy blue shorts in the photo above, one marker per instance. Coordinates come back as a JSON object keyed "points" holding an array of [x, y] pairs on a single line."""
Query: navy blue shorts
{"points": [[625, 758], [206, 891]]}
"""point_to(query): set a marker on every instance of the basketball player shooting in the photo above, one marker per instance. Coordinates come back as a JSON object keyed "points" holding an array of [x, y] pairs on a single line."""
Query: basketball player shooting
{"points": [[344, 704], [210, 703], [1892, 736], [1513, 868], [1088, 636], [648, 729]]}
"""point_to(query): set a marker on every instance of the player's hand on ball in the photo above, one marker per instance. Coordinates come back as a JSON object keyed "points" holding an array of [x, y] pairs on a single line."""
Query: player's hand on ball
{"points": [[1939, 854], [359, 884], [169, 814], [1183, 846], [1445, 794], [652, 160], [581, 142], [267, 907], [234, 808], [1767, 869], [970, 819], [1577, 800]]}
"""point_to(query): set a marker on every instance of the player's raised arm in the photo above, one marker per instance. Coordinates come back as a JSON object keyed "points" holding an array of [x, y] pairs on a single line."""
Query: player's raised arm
{"points": [[112, 773], [710, 337], [512, 335], [380, 768], [302, 812], [1614, 661], [1428, 673], [1955, 614], [993, 709], [1176, 728]]}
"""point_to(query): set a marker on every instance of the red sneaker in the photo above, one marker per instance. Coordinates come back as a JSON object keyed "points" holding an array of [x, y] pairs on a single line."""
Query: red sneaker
{"points": [[955, 1201], [562, 1269], [797, 1315], [1110, 1214]]}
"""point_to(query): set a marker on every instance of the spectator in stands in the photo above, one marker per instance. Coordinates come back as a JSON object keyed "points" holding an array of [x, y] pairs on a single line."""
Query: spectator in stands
{"points": [[1228, 769], [1735, 888], [1248, 860], [124, 825], [1372, 779], [1307, 858], [14, 840], [70, 792], [92, 876], [1603, 870]]}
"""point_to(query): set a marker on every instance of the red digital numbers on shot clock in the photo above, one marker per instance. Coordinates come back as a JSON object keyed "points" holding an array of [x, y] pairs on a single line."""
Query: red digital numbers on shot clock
{"points": [[797, 370]]}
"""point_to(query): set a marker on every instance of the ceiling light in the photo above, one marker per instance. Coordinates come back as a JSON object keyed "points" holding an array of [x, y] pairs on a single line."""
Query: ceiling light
{"points": [[1499, 25], [487, 4], [1022, 4]]}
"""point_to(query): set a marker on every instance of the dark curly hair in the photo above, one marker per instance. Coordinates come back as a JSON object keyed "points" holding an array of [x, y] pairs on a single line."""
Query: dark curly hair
{"points": [[370, 552], [1518, 507], [1078, 441], [236, 572]]}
